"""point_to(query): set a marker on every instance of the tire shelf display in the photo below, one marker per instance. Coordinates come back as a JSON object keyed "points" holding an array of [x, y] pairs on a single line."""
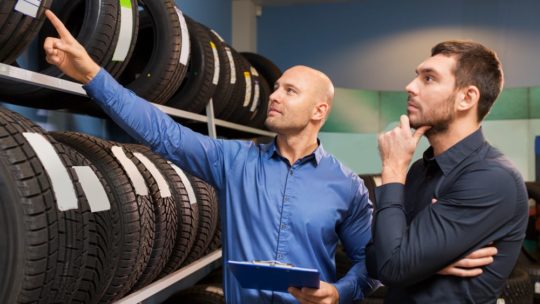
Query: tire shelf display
{"points": [[16, 74], [189, 274]]}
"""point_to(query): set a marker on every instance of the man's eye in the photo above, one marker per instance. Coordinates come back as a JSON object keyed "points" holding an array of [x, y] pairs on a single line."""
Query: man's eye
{"points": [[291, 91], [428, 78]]}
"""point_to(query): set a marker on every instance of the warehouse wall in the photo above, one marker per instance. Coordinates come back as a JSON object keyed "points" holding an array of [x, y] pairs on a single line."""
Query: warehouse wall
{"points": [[359, 115], [376, 44], [216, 14], [370, 49]]}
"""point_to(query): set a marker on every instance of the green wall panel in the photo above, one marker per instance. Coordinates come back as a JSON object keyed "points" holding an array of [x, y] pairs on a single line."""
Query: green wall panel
{"points": [[534, 103], [354, 111], [511, 104], [393, 105]]}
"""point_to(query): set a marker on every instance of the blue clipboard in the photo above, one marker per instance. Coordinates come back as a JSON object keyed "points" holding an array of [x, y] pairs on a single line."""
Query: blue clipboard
{"points": [[275, 276]]}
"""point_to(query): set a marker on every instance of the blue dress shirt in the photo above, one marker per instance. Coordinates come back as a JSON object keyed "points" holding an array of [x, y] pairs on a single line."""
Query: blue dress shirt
{"points": [[271, 210]]}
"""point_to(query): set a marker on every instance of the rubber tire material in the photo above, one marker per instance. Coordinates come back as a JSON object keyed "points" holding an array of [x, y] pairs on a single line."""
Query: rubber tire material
{"points": [[134, 214], [265, 66], [165, 215], [155, 72], [46, 248], [197, 88], [208, 217]]}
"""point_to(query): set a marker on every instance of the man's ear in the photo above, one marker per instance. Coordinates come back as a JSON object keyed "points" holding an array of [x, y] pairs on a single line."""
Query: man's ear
{"points": [[320, 111], [469, 98]]}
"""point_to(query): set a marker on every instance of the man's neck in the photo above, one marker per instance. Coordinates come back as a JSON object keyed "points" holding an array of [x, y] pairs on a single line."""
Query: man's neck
{"points": [[295, 147], [456, 132]]}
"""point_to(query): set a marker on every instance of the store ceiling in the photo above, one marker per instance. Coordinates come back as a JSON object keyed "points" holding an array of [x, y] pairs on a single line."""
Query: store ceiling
{"points": [[288, 2]]}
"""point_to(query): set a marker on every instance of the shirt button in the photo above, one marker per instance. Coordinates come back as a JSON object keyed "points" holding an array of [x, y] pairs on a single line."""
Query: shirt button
{"points": [[291, 172], [283, 226]]}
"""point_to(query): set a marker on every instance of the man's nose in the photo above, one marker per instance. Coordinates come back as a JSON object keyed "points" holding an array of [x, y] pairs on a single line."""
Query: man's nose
{"points": [[411, 88]]}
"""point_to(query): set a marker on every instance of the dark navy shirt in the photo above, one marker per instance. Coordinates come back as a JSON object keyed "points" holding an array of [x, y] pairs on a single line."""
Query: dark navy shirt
{"points": [[459, 201], [271, 209]]}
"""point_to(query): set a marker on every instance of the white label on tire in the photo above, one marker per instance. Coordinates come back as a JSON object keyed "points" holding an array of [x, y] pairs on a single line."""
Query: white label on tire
{"points": [[537, 287], [185, 47], [247, 97], [216, 63], [217, 35], [28, 7], [93, 189], [61, 183], [131, 170], [126, 31], [255, 97], [231, 63], [163, 186], [186, 182], [256, 92], [500, 301]]}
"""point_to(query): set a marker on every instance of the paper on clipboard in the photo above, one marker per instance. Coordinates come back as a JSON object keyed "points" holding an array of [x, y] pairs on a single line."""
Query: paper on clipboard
{"points": [[273, 277]]}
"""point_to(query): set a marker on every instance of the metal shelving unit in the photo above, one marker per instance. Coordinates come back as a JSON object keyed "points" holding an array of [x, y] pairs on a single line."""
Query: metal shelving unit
{"points": [[183, 278], [190, 274], [21, 75]]}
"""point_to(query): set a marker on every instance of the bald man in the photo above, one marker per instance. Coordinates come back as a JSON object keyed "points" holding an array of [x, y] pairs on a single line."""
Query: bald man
{"points": [[288, 200]]}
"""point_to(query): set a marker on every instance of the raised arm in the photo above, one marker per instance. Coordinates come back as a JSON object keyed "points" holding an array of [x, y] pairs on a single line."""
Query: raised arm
{"points": [[201, 155]]}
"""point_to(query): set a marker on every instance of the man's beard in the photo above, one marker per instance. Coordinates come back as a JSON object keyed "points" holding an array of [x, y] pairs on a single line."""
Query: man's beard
{"points": [[441, 122]]}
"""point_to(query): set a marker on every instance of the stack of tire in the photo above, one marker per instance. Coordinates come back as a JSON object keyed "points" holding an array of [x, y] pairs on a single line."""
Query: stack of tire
{"points": [[88, 220], [150, 47]]}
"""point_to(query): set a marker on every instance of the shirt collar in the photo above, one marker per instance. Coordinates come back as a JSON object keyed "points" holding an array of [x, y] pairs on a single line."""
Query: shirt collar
{"points": [[270, 150], [457, 153]]}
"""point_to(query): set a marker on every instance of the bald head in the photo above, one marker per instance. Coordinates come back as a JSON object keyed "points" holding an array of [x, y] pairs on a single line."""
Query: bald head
{"points": [[318, 82]]}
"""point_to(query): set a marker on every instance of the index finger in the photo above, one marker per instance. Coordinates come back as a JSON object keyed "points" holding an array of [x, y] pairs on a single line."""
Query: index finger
{"points": [[483, 252], [312, 292], [404, 123], [58, 25]]}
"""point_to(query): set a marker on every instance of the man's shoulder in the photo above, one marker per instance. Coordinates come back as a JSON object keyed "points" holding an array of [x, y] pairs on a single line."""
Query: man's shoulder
{"points": [[493, 159], [335, 165]]}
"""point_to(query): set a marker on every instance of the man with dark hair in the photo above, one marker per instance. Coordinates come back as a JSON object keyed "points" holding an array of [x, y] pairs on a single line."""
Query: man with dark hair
{"points": [[461, 196]]}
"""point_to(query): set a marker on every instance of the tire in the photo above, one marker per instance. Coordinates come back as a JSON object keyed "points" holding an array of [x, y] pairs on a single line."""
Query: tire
{"points": [[6, 6], [227, 74], [265, 66], [534, 274], [199, 294], [135, 216], [185, 198], [208, 218], [518, 288], [165, 212], [96, 275], [200, 82], [98, 32], [46, 241], [158, 66], [259, 117], [242, 113], [215, 243], [23, 33], [240, 89]]}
